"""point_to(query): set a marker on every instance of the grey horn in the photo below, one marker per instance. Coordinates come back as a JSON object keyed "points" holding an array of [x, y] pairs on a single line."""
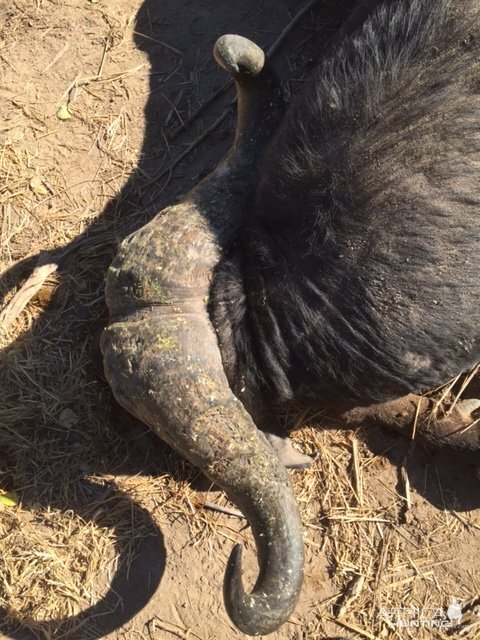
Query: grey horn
{"points": [[162, 359]]}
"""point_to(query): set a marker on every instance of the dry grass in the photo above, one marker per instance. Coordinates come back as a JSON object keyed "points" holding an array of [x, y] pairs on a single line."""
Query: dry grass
{"points": [[378, 559], [84, 507]]}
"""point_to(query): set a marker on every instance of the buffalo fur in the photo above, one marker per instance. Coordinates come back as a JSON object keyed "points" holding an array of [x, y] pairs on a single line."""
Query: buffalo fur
{"points": [[357, 271]]}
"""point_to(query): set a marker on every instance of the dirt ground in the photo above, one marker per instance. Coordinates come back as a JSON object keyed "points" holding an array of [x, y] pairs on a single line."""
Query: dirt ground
{"points": [[104, 532]]}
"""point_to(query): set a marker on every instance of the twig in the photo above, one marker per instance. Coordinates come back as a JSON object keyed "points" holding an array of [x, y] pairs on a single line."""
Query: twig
{"points": [[229, 512], [403, 470], [171, 627], [445, 393], [465, 384], [174, 108], [353, 627], [357, 476], [45, 267], [164, 44], [405, 481], [415, 420], [293, 23], [104, 56]]}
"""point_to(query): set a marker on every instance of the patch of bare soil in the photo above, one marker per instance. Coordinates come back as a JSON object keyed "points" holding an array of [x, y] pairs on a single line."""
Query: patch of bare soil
{"points": [[103, 531]]}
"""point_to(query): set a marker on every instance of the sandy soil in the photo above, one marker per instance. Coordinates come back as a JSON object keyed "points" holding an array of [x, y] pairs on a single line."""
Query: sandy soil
{"points": [[107, 533]]}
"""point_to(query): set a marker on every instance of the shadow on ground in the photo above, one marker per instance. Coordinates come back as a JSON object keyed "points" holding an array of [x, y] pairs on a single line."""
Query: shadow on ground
{"points": [[132, 586]]}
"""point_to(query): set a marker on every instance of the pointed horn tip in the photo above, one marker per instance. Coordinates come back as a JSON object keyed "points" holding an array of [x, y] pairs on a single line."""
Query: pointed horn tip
{"points": [[239, 56], [236, 600], [249, 613], [232, 583]]}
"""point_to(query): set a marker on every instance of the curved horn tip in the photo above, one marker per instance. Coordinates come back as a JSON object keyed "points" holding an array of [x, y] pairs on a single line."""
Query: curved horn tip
{"points": [[238, 55], [234, 594], [249, 613]]}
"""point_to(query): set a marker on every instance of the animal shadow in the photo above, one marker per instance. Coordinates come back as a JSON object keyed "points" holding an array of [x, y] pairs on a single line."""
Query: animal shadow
{"points": [[132, 586]]}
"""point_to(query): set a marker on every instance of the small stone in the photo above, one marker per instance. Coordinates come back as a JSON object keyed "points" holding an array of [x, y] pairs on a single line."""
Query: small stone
{"points": [[68, 418], [37, 186], [63, 113]]}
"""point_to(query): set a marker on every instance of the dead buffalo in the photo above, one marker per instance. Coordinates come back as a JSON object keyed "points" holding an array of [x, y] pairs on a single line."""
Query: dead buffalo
{"points": [[333, 254]]}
